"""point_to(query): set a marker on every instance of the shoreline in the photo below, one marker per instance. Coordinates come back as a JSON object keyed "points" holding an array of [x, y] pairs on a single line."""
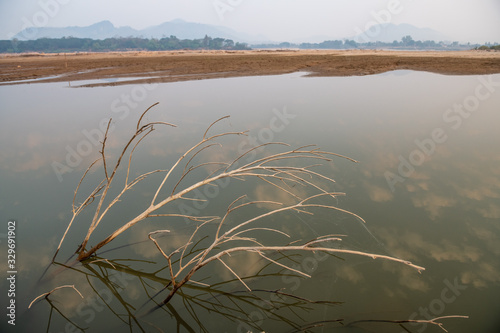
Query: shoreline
{"points": [[184, 65]]}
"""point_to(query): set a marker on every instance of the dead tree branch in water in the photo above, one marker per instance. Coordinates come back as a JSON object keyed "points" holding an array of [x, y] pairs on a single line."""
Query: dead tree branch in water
{"points": [[285, 171]]}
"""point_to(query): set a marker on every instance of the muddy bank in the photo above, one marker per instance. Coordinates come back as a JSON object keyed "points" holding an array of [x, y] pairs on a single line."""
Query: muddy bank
{"points": [[172, 66]]}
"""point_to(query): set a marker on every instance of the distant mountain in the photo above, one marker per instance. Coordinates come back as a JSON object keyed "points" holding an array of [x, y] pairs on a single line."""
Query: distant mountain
{"points": [[105, 29], [189, 30], [390, 32], [101, 30]]}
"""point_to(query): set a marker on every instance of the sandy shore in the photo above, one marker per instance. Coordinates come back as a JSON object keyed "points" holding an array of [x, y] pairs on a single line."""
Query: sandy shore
{"points": [[172, 66]]}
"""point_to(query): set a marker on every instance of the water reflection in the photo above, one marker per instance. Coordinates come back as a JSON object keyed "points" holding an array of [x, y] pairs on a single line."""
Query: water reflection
{"points": [[443, 216], [129, 299]]}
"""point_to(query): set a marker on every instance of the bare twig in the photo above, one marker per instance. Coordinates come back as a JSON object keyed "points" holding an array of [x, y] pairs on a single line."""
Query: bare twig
{"points": [[50, 292], [433, 321]]}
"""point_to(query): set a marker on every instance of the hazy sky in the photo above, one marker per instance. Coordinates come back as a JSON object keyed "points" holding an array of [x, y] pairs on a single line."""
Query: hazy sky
{"points": [[463, 20]]}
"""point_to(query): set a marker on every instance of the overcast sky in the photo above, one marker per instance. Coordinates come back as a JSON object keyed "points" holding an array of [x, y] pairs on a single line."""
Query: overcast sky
{"points": [[279, 20]]}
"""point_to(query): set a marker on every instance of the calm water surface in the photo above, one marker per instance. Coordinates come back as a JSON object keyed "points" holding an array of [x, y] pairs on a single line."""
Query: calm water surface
{"points": [[427, 184]]}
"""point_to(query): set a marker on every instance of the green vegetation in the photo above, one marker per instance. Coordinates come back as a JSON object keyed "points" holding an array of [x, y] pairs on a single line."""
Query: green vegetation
{"points": [[71, 44], [406, 43], [489, 47]]}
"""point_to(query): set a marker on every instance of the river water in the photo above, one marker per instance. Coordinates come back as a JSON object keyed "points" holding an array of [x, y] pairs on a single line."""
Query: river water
{"points": [[427, 184]]}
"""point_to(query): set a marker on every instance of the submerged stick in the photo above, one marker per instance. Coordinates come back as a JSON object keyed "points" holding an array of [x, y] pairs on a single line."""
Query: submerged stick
{"points": [[50, 292]]}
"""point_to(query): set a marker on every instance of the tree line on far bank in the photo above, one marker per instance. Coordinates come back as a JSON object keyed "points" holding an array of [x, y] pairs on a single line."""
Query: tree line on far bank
{"points": [[406, 43], [72, 44], [488, 48]]}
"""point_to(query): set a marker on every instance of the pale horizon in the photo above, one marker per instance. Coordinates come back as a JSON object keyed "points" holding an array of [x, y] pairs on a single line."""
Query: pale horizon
{"points": [[278, 20]]}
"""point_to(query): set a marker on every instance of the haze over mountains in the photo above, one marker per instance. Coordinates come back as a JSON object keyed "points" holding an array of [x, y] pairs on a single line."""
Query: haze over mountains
{"points": [[189, 30], [389, 32], [105, 29]]}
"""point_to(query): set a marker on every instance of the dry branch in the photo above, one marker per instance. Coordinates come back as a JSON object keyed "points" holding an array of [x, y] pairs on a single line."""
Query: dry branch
{"points": [[214, 252], [50, 292], [433, 321], [282, 170]]}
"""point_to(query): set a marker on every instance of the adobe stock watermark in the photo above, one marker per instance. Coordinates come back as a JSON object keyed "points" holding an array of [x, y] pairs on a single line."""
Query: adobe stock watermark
{"points": [[121, 106], [453, 117], [223, 6], [278, 123], [11, 272], [437, 306], [373, 27], [41, 18]]}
